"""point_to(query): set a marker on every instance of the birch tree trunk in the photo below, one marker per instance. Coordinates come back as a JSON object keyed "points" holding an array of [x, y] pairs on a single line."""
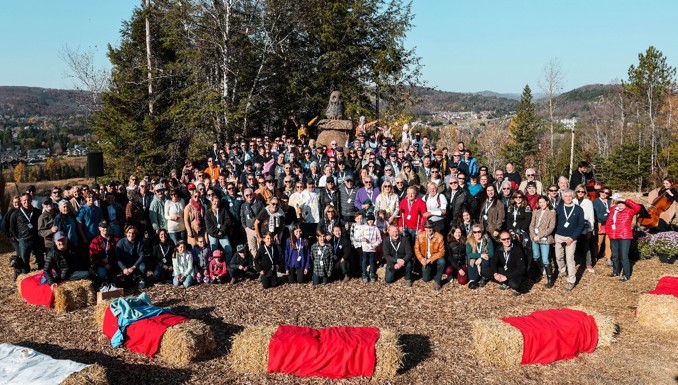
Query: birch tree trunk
{"points": [[147, 8]]}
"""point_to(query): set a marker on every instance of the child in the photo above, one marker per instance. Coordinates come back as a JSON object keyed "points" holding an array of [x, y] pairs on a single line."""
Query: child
{"points": [[297, 260], [182, 264], [218, 267], [202, 255], [382, 223], [355, 233], [371, 239], [241, 264], [267, 261], [321, 253]]}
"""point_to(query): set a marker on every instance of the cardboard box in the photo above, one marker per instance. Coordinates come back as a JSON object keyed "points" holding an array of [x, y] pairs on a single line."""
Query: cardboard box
{"points": [[110, 294]]}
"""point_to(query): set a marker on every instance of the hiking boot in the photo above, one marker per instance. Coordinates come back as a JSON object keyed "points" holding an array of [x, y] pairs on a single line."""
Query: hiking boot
{"points": [[569, 286], [483, 282], [517, 293], [346, 278], [408, 282], [613, 274], [142, 284], [473, 285], [373, 279], [365, 279]]}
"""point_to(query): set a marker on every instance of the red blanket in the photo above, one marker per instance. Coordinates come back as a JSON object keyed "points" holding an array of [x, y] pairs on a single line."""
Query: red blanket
{"points": [[35, 293], [666, 285], [557, 334], [339, 352], [144, 335]]}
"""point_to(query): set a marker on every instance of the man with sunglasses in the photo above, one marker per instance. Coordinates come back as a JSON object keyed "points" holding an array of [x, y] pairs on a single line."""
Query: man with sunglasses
{"points": [[530, 176], [589, 223], [249, 210], [507, 268]]}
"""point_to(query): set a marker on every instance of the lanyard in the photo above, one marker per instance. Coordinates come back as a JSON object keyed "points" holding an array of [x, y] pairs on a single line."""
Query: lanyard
{"points": [[541, 216], [336, 245], [507, 255], [567, 216], [349, 193], [300, 243], [607, 208], [394, 246], [163, 251], [269, 254], [28, 218], [487, 206], [370, 194]]}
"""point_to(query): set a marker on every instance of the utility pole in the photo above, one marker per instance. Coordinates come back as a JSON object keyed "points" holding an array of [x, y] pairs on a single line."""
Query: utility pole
{"points": [[571, 153]]}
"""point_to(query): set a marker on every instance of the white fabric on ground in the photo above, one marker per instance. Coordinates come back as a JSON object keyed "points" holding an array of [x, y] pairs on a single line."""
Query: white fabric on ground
{"points": [[24, 366]]}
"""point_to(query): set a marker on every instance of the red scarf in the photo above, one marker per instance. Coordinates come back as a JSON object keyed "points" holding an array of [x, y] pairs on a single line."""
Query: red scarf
{"points": [[198, 211]]}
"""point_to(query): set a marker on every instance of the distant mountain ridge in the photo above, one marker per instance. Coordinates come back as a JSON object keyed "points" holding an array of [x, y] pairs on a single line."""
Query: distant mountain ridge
{"points": [[432, 100], [34, 101]]}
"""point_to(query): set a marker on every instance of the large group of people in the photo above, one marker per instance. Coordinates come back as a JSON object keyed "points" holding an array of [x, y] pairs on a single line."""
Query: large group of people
{"points": [[292, 210]]}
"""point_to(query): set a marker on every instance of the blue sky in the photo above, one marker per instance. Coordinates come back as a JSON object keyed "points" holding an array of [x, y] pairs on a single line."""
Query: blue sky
{"points": [[472, 45]]}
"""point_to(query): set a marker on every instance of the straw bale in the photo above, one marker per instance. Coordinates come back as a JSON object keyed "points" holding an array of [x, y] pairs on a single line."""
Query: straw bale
{"points": [[607, 327], [249, 350], [73, 295], [389, 355], [181, 344], [658, 312], [91, 375], [497, 343], [21, 277], [186, 342]]}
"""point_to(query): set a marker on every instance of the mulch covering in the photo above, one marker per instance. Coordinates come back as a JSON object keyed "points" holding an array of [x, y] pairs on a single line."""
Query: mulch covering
{"points": [[555, 334], [658, 308], [337, 352], [434, 328]]}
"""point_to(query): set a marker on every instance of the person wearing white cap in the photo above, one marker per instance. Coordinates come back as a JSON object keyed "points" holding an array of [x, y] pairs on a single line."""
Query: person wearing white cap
{"points": [[65, 263]]}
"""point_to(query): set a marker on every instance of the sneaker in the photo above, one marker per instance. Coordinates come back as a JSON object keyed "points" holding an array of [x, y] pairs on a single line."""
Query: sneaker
{"points": [[233, 281], [517, 293], [373, 279], [613, 274], [346, 278], [436, 286], [365, 279], [408, 282], [473, 285], [483, 282], [589, 268], [562, 274], [503, 286], [609, 262], [569, 286], [623, 278], [104, 288]]}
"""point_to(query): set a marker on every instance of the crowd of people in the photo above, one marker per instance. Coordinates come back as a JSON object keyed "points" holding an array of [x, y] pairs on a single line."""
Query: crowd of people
{"points": [[290, 209]]}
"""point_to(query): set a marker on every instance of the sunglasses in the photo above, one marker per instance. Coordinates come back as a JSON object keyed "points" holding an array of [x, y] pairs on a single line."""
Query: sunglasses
{"points": [[605, 192], [248, 195], [530, 174], [400, 182], [505, 239], [273, 204], [451, 183], [230, 188], [477, 232], [553, 190], [505, 189]]}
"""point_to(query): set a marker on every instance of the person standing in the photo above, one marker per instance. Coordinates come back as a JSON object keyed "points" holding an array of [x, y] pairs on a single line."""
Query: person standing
{"points": [[569, 226], [24, 227], [601, 209], [618, 228], [266, 262]]}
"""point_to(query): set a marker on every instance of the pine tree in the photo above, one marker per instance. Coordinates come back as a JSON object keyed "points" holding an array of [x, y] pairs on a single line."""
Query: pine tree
{"points": [[523, 131]]}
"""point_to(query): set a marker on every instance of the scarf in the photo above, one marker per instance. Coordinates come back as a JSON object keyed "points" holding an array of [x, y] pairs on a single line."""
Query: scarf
{"points": [[199, 211]]}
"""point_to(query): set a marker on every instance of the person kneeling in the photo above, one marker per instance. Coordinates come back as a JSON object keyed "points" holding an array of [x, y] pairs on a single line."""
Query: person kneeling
{"points": [[398, 256], [508, 265], [429, 248], [64, 261], [241, 265]]}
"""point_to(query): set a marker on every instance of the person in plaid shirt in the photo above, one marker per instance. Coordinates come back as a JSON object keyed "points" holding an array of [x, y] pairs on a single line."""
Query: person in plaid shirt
{"points": [[321, 254]]}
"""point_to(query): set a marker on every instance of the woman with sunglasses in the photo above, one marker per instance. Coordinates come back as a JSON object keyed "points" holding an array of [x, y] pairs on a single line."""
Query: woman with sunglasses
{"points": [[585, 203], [492, 212], [479, 249], [409, 176], [601, 208], [387, 200], [518, 217], [541, 233], [330, 219]]}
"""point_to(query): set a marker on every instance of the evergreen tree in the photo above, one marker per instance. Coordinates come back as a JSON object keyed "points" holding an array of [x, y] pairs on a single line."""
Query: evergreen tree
{"points": [[523, 131]]}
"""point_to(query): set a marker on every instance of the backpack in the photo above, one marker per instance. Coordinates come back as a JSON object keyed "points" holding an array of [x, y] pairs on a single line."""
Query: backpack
{"points": [[437, 199]]}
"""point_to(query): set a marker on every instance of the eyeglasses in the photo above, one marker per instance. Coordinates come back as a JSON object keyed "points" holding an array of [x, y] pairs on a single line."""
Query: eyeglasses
{"points": [[553, 190], [506, 188], [530, 174], [605, 192], [477, 232], [434, 171], [505, 239], [230, 188], [451, 183], [273, 204]]}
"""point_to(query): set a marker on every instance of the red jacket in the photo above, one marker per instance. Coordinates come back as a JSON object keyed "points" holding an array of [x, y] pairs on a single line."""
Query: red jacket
{"points": [[618, 225], [409, 215]]}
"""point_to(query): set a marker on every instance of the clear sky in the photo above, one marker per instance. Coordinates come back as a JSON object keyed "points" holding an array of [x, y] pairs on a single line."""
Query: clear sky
{"points": [[471, 45]]}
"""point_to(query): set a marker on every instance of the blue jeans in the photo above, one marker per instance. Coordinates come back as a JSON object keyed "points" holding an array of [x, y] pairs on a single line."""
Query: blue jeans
{"points": [[187, 282], [28, 246], [542, 250], [439, 268], [620, 248], [317, 280], [369, 256], [473, 274], [178, 236], [105, 275], [225, 245], [390, 275]]}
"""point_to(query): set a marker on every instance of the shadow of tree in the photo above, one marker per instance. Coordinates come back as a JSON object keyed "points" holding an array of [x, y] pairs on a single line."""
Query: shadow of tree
{"points": [[417, 348], [122, 372]]}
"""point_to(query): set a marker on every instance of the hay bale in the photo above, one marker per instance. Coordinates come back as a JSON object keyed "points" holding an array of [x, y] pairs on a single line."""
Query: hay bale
{"points": [[74, 295], [69, 296], [91, 375], [658, 312], [497, 342], [186, 342], [389, 355], [249, 349], [181, 345], [501, 344], [249, 352]]}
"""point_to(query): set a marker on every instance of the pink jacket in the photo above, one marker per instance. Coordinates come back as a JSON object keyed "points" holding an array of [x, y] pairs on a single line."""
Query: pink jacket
{"points": [[618, 225]]}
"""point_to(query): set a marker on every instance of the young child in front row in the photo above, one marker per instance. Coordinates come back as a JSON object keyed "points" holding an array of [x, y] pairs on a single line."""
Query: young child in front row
{"points": [[218, 267], [202, 255], [182, 265]]}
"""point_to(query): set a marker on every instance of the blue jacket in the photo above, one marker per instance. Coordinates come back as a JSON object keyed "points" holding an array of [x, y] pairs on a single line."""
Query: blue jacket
{"points": [[292, 257], [129, 254], [575, 221]]}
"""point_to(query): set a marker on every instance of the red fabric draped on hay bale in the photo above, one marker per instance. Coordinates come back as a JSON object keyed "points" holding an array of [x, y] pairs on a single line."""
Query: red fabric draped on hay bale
{"points": [[36, 293], [557, 334], [666, 285], [338, 352], [143, 336]]}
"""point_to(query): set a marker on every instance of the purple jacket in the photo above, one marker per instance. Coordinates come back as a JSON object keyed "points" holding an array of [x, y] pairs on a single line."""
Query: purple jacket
{"points": [[291, 258], [362, 196]]}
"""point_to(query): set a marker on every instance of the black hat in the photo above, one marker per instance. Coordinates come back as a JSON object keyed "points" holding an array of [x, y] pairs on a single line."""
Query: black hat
{"points": [[248, 162], [270, 178], [103, 223], [240, 248], [531, 184], [329, 179], [94, 186]]}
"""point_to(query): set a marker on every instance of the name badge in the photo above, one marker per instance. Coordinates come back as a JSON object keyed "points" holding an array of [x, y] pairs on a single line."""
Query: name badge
{"points": [[409, 217], [485, 217], [514, 224], [322, 263], [536, 231], [349, 200], [566, 224], [614, 227], [30, 226], [299, 258]]}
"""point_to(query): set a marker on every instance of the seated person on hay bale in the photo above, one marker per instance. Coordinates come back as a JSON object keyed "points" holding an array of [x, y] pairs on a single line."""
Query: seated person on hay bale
{"points": [[65, 263]]}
